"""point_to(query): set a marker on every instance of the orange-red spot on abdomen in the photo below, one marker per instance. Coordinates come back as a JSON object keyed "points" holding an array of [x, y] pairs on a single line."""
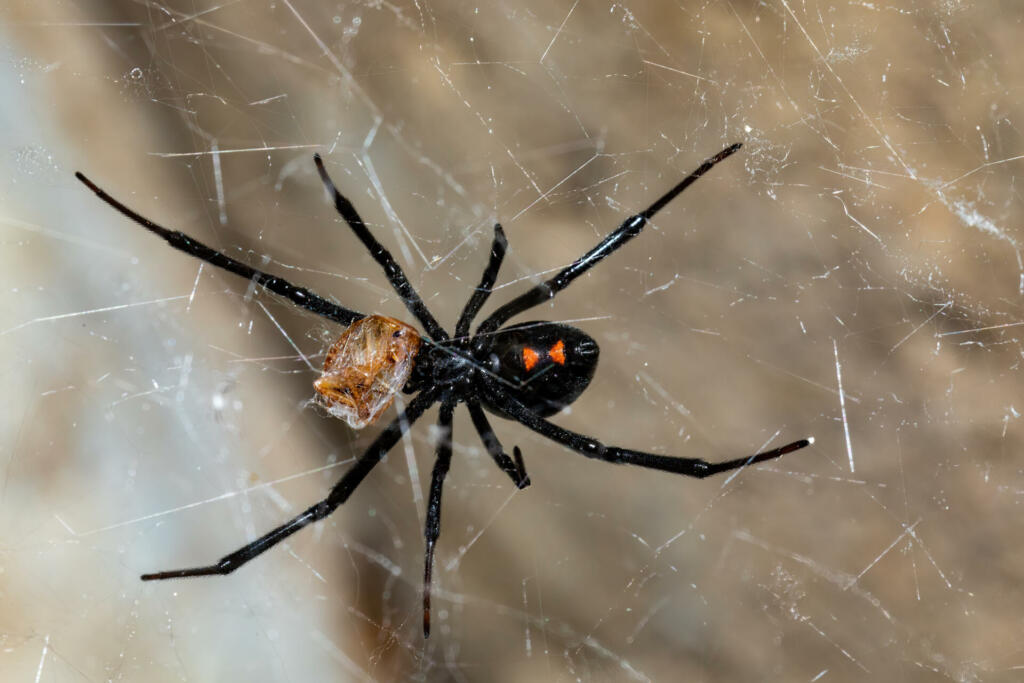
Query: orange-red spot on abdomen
{"points": [[530, 358], [557, 352]]}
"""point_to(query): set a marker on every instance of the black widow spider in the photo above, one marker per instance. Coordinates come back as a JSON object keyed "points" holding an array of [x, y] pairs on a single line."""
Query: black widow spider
{"points": [[523, 372]]}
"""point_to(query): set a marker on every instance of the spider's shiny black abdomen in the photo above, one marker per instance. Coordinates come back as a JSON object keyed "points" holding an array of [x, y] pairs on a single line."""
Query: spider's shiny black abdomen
{"points": [[543, 365]]}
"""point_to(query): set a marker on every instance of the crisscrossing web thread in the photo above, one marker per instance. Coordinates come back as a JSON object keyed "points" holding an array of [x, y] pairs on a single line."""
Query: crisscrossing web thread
{"points": [[854, 274]]}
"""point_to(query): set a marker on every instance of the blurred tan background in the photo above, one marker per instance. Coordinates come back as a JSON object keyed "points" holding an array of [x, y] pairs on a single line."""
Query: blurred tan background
{"points": [[155, 412]]}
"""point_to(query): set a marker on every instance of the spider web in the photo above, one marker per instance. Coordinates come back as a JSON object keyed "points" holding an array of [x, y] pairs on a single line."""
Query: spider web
{"points": [[854, 273]]}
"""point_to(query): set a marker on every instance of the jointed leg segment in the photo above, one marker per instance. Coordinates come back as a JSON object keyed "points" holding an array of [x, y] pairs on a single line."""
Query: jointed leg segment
{"points": [[338, 495], [483, 290], [395, 274], [592, 448], [300, 296], [629, 229], [432, 528], [515, 470]]}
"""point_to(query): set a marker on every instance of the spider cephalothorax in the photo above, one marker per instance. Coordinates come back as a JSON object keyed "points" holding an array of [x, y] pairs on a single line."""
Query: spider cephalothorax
{"points": [[523, 372]]}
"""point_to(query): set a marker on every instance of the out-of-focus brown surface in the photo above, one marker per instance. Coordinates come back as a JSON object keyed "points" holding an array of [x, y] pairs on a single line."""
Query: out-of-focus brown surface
{"points": [[156, 414]]}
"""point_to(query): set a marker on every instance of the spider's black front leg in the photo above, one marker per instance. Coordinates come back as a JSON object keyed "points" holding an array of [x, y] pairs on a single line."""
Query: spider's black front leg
{"points": [[396, 276], [483, 290], [338, 495], [517, 470], [592, 448], [300, 296], [432, 528]]}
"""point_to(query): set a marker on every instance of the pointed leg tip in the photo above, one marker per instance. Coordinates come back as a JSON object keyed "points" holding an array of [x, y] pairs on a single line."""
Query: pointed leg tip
{"points": [[219, 569], [524, 478], [788, 448], [797, 445], [88, 183], [320, 169], [499, 233], [160, 576], [727, 152]]}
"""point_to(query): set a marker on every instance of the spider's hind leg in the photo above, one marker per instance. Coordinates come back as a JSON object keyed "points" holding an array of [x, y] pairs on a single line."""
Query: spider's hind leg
{"points": [[592, 448]]}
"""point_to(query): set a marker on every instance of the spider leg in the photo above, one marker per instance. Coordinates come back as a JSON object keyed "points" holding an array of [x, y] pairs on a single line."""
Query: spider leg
{"points": [[300, 296], [592, 448], [338, 495], [483, 290], [432, 528], [392, 270], [629, 229], [517, 470]]}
